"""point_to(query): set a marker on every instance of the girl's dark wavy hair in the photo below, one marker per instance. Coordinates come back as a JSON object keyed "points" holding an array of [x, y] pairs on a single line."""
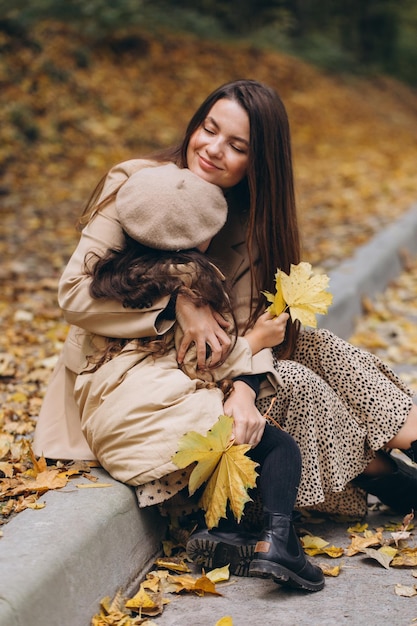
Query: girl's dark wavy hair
{"points": [[137, 276]]}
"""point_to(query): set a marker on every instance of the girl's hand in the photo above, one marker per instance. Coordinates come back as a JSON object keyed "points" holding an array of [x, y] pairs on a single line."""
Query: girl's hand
{"points": [[203, 327], [249, 424], [268, 331]]}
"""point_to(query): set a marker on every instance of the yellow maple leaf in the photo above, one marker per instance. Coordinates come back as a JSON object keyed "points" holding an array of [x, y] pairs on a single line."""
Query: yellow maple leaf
{"points": [[229, 473], [407, 557], [111, 612], [39, 465], [174, 564], [234, 474], [220, 574], [44, 481], [311, 542], [205, 585], [359, 544], [302, 292], [278, 304], [383, 555], [331, 571], [313, 545], [200, 585], [334, 552], [141, 600]]}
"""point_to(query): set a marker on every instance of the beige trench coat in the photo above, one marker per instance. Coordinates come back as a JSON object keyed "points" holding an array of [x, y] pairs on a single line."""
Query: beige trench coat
{"points": [[59, 433], [136, 407]]}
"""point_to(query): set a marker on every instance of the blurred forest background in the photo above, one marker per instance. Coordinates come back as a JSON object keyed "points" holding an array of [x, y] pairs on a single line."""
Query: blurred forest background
{"points": [[336, 34], [85, 84]]}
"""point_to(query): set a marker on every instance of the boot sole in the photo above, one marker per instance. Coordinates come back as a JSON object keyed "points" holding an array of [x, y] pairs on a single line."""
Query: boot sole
{"points": [[212, 553], [282, 576]]}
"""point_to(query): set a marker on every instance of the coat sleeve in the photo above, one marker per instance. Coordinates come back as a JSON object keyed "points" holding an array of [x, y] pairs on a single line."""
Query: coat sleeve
{"points": [[106, 316]]}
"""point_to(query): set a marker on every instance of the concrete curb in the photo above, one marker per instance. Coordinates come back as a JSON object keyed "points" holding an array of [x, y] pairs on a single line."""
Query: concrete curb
{"points": [[58, 562], [368, 272]]}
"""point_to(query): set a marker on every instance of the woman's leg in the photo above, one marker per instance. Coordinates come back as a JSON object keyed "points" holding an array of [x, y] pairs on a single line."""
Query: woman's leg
{"points": [[370, 390], [350, 405], [332, 441], [279, 470], [406, 438], [389, 478], [280, 555], [230, 542]]}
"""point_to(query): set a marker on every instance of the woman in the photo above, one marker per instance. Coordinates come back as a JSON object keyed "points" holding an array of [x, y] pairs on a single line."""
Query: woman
{"points": [[341, 405]]}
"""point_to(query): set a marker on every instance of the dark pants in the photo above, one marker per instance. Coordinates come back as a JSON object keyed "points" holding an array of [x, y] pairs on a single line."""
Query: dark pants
{"points": [[279, 470]]}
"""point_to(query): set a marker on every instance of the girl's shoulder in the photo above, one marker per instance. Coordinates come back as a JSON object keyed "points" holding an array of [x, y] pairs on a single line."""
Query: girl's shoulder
{"points": [[119, 173]]}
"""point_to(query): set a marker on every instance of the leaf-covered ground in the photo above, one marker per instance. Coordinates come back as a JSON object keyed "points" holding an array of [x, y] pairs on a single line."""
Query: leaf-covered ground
{"points": [[388, 325], [70, 110], [365, 556]]}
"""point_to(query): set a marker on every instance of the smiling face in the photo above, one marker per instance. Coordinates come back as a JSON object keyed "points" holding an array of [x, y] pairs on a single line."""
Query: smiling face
{"points": [[218, 150]]}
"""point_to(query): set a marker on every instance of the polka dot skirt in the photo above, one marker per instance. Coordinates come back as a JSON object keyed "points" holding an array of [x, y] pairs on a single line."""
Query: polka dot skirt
{"points": [[341, 404]]}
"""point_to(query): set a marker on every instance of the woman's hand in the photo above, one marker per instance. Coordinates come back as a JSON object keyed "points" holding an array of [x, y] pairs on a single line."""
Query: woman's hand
{"points": [[249, 424], [203, 327], [267, 332]]}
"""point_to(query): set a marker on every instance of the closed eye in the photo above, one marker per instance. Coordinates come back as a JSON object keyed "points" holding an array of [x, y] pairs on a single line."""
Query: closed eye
{"points": [[238, 149]]}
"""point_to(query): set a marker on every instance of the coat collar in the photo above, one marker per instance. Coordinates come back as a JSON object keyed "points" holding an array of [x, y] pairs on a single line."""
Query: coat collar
{"points": [[228, 247]]}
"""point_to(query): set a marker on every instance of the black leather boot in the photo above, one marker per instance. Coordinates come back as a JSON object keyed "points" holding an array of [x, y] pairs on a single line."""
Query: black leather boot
{"points": [[280, 556], [397, 489], [412, 451], [227, 544], [217, 548]]}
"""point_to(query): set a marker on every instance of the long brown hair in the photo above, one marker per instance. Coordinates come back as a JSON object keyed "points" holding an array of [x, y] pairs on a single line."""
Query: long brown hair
{"points": [[266, 193]]}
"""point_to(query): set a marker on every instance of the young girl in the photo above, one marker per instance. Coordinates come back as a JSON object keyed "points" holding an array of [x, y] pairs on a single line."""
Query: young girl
{"points": [[167, 213], [135, 402]]}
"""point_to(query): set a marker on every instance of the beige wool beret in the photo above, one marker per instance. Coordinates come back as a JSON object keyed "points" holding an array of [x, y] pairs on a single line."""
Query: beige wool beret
{"points": [[169, 208]]}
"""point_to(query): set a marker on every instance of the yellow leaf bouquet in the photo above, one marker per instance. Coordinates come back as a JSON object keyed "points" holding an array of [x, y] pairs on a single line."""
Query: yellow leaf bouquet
{"points": [[300, 292], [224, 467]]}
